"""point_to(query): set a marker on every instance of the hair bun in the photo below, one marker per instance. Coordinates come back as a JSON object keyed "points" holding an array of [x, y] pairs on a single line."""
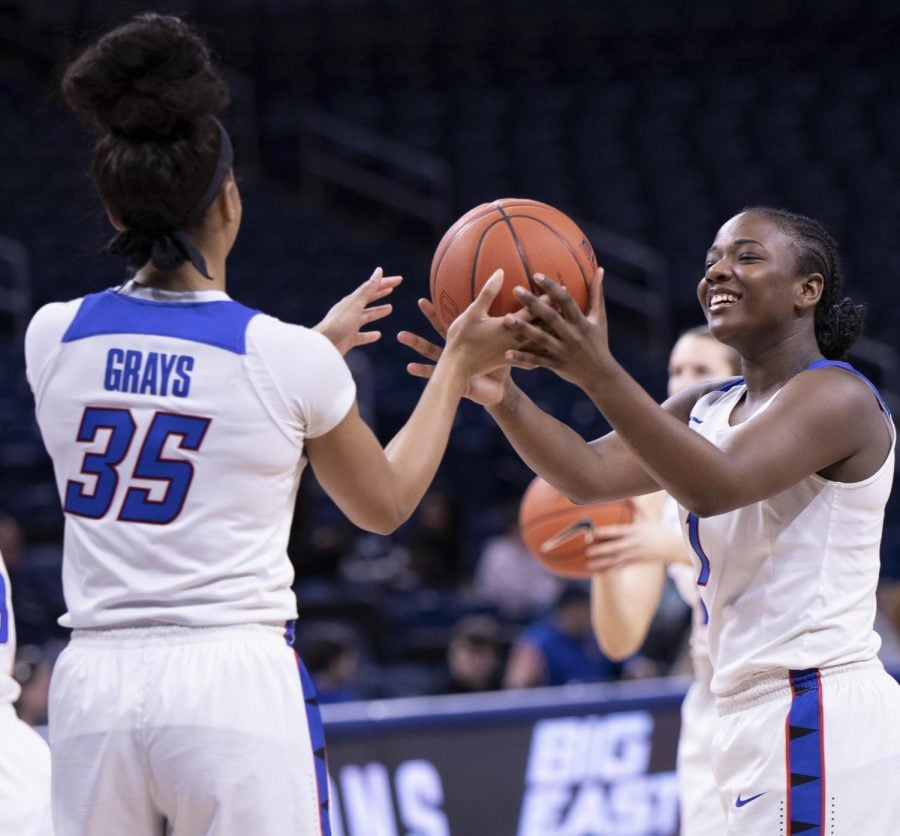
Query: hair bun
{"points": [[149, 79]]}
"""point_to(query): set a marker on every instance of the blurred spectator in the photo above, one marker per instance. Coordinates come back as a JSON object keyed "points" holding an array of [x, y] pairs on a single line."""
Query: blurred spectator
{"points": [[474, 656], [560, 647], [331, 655], [508, 577], [435, 545], [24, 754], [34, 666], [887, 623]]}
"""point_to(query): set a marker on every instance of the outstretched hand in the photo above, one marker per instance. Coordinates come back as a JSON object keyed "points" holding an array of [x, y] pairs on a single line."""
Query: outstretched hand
{"points": [[647, 539], [343, 324], [556, 335], [486, 388]]}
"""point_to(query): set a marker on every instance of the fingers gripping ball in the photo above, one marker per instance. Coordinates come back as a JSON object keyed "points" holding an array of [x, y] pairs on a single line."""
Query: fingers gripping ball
{"points": [[556, 530], [521, 237]]}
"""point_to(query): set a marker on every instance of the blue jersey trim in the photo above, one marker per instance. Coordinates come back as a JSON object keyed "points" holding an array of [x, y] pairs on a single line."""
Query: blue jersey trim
{"points": [[222, 323], [729, 385], [822, 364]]}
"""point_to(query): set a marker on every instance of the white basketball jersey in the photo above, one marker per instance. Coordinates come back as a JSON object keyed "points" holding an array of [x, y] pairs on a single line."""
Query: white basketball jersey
{"points": [[684, 577], [176, 424], [9, 688], [789, 582]]}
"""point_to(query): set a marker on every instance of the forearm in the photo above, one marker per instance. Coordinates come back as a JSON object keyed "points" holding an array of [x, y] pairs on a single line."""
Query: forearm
{"points": [[583, 471], [415, 452], [680, 460], [623, 602]]}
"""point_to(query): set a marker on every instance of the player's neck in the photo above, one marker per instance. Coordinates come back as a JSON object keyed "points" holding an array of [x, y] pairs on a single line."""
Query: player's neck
{"points": [[184, 279]]}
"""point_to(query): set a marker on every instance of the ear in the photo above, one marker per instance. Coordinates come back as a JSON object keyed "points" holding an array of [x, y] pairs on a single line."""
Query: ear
{"points": [[117, 224], [229, 200], [809, 289]]}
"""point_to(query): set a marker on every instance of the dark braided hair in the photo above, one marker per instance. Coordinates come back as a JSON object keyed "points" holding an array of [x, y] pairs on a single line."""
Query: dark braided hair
{"points": [[838, 321], [150, 88]]}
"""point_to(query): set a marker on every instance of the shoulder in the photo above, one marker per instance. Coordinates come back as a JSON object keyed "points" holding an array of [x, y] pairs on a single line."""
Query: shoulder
{"points": [[269, 332], [54, 315], [710, 392], [46, 329]]}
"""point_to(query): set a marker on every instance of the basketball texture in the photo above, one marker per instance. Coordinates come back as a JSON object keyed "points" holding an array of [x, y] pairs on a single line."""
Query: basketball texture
{"points": [[555, 530], [521, 236]]}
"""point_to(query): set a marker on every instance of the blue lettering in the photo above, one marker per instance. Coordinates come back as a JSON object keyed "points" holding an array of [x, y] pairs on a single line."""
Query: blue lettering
{"points": [[148, 381], [154, 374], [167, 363], [183, 368], [130, 380], [112, 379]]}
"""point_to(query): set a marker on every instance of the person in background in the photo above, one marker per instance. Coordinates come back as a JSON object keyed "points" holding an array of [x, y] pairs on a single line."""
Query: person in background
{"points": [[474, 656], [24, 755], [509, 578], [331, 656], [630, 563], [560, 647]]}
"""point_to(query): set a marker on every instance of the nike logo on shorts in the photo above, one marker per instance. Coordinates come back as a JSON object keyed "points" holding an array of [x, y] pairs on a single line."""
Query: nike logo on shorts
{"points": [[742, 801]]}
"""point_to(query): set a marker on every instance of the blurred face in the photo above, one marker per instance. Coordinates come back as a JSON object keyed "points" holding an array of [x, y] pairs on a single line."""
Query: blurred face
{"points": [[750, 290], [696, 358]]}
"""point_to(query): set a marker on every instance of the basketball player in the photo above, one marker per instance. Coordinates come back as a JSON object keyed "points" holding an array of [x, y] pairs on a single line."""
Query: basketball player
{"points": [[179, 422], [782, 477], [24, 754], [630, 562]]}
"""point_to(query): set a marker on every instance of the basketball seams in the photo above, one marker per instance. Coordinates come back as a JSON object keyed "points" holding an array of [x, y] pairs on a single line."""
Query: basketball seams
{"points": [[456, 265], [564, 241], [477, 254], [529, 276]]}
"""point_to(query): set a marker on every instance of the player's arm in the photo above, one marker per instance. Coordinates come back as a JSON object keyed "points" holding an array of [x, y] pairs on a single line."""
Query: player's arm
{"points": [[376, 488], [623, 602], [824, 418], [595, 471], [343, 324], [583, 471], [628, 563]]}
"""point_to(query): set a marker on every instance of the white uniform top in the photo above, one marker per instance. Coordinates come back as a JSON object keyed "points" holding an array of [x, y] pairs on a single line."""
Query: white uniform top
{"points": [[684, 576], [789, 582], [9, 688], [176, 424]]}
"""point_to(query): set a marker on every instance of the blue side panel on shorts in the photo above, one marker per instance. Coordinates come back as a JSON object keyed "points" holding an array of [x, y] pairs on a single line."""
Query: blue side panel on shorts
{"points": [[222, 323], [805, 755], [317, 736]]}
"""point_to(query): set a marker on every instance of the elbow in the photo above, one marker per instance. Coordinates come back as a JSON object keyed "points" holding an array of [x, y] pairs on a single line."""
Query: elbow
{"points": [[616, 645], [710, 506], [617, 651], [384, 520]]}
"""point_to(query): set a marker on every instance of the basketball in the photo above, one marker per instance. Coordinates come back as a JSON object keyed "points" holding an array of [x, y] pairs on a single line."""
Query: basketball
{"points": [[521, 236], [555, 530]]}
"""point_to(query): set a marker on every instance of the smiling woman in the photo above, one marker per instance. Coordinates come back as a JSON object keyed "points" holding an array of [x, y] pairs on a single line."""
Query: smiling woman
{"points": [[782, 476]]}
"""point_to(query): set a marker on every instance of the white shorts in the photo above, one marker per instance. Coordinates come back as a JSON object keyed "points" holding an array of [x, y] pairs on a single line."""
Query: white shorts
{"points": [[812, 752], [24, 778], [701, 808], [185, 731]]}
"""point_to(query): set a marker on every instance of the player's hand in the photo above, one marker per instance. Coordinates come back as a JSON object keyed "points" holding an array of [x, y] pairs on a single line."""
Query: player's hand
{"points": [[486, 388], [645, 539], [554, 334], [343, 324]]}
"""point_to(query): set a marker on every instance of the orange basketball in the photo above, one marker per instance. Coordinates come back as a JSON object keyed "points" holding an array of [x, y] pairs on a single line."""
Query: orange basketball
{"points": [[555, 529], [523, 237]]}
